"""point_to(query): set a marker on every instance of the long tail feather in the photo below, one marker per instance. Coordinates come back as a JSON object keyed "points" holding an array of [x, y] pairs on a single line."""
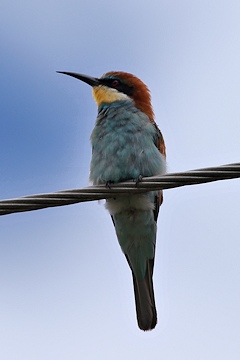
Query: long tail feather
{"points": [[144, 299]]}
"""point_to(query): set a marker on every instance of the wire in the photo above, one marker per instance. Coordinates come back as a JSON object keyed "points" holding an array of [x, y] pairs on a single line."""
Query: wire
{"points": [[73, 196]]}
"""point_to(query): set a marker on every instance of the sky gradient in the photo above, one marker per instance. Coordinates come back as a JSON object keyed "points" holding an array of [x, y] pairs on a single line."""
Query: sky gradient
{"points": [[66, 290]]}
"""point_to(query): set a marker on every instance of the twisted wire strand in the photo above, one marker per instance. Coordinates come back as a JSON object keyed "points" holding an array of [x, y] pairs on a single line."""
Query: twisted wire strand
{"points": [[73, 196]]}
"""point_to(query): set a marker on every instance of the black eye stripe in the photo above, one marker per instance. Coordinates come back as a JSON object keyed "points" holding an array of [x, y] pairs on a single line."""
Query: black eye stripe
{"points": [[119, 85]]}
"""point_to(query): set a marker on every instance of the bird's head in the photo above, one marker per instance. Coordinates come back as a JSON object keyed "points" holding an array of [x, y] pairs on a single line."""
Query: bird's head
{"points": [[117, 85]]}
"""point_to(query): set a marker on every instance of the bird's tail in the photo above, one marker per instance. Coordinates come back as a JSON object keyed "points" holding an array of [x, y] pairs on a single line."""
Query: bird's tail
{"points": [[144, 299]]}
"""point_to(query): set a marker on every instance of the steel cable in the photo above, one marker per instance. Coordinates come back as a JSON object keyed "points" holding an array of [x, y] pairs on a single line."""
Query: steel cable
{"points": [[168, 181]]}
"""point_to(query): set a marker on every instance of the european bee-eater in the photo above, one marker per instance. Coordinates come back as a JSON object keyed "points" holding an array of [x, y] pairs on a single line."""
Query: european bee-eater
{"points": [[127, 144]]}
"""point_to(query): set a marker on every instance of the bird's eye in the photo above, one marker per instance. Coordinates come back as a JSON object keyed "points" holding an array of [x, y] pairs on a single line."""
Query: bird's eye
{"points": [[115, 83]]}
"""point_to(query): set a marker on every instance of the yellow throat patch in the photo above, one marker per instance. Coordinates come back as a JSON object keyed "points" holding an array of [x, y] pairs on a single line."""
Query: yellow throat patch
{"points": [[104, 94]]}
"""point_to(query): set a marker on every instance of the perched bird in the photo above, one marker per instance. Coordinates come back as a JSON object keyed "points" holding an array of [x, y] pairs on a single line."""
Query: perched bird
{"points": [[127, 144]]}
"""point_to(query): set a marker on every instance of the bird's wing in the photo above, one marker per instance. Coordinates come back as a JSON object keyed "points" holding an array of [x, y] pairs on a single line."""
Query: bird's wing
{"points": [[160, 144]]}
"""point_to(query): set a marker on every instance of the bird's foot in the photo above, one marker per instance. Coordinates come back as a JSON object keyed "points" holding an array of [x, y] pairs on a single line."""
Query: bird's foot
{"points": [[109, 183], [138, 180]]}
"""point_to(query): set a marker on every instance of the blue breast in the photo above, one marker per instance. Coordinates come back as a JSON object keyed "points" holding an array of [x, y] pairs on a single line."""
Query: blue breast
{"points": [[124, 144]]}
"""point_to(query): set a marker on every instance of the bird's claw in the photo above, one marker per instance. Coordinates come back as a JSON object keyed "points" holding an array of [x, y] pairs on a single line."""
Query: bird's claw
{"points": [[138, 180], [108, 184]]}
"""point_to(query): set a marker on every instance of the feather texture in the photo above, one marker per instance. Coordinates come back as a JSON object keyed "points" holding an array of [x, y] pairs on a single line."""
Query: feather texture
{"points": [[125, 145]]}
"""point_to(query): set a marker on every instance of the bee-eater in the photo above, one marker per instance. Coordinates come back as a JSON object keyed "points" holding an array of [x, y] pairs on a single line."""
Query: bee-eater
{"points": [[127, 144]]}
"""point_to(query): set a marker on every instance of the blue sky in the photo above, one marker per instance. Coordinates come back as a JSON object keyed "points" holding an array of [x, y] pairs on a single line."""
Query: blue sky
{"points": [[66, 290]]}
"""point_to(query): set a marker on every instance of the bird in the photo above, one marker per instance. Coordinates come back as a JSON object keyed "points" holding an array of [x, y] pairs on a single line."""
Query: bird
{"points": [[127, 144]]}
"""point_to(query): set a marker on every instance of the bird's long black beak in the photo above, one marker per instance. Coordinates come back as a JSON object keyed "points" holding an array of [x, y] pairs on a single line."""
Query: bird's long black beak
{"points": [[87, 79]]}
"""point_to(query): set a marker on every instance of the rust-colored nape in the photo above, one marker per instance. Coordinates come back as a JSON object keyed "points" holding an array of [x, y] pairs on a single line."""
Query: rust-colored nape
{"points": [[141, 94]]}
